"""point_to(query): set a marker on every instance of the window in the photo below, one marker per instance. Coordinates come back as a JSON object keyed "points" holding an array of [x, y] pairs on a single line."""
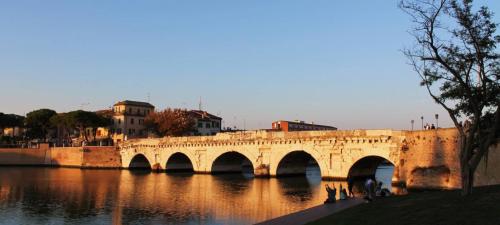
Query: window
{"points": [[141, 121], [119, 121], [131, 120], [129, 110], [119, 131], [207, 125], [200, 125], [138, 111]]}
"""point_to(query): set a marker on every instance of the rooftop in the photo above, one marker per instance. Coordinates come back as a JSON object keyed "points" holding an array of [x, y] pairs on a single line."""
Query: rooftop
{"points": [[134, 103], [300, 122], [203, 114]]}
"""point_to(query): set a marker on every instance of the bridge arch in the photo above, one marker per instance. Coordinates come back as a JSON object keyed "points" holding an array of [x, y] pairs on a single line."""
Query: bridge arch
{"points": [[372, 166], [139, 162], [179, 162], [232, 162], [297, 162]]}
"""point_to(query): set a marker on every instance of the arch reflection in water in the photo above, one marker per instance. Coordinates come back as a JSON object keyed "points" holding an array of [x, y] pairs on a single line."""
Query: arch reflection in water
{"points": [[232, 162]]}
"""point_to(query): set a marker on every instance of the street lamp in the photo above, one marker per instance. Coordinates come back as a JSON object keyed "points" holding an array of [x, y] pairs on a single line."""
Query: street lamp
{"points": [[412, 122], [437, 117], [422, 118]]}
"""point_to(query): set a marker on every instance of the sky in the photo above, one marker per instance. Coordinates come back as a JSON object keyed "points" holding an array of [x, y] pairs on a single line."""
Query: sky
{"points": [[329, 62]]}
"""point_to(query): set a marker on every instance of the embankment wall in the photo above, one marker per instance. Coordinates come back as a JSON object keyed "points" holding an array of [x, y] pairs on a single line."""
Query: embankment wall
{"points": [[81, 157], [430, 159]]}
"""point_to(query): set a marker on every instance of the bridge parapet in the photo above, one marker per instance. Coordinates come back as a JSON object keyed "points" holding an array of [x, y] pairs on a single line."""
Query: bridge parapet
{"points": [[268, 137]]}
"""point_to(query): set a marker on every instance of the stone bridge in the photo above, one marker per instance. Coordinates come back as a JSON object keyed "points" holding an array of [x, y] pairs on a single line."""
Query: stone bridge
{"points": [[265, 153], [421, 159]]}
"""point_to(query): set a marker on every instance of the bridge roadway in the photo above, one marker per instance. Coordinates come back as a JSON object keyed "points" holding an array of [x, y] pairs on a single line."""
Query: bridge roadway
{"points": [[269, 154]]}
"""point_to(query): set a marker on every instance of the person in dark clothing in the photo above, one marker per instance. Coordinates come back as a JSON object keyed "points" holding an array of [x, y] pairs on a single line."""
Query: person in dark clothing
{"points": [[350, 184], [332, 194], [370, 186]]}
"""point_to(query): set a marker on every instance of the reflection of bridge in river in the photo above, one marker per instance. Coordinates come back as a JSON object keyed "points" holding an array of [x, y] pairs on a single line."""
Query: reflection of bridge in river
{"points": [[76, 196], [337, 154]]}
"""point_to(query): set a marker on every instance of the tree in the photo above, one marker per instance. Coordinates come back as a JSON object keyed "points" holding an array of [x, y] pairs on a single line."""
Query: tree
{"points": [[170, 122], [81, 120], [62, 123], [38, 123], [103, 118], [456, 58], [11, 120]]}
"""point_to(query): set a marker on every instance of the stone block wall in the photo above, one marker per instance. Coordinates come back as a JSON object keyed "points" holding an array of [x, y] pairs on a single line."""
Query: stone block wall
{"points": [[67, 156], [429, 159], [80, 157], [24, 156], [101, 157], [488, 170]]}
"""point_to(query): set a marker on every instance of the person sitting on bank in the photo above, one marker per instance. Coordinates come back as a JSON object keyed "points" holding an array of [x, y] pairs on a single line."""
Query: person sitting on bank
{"points": [[378, 190], [332, 194], [382, 192], [343, 193]]}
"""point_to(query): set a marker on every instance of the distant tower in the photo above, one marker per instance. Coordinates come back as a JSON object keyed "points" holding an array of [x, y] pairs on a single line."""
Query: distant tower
{"points": [[149, 97], [200, 105]]}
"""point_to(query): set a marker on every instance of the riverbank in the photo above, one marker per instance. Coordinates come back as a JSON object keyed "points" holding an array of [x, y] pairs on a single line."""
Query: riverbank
{"points": [[434, 207], [312, 214]]}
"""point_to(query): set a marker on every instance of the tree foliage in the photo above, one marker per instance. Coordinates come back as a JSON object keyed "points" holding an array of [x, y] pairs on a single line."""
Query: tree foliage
{"points": [[62, 125], [80, 120], [11, 120], [170, 122], [38, 123], [455, 54]]}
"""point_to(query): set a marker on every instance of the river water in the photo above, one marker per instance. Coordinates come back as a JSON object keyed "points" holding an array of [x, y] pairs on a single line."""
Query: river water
{"points": [[74, 196]]}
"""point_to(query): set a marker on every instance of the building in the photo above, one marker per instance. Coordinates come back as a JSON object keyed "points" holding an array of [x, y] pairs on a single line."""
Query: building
{"points": [[298, 125], [13, 131], [128, 119], [205, 123]]}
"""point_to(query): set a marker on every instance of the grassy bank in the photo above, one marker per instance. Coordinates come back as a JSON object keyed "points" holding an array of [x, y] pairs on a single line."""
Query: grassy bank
{"points": [[436, 208]]}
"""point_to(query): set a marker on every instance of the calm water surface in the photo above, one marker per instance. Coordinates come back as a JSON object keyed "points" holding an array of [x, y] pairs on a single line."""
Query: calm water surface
{"points": [[74, 196]]}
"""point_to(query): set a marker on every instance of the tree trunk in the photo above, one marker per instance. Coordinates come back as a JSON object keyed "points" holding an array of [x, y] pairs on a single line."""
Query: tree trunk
{"points": [[467, 179], [94, 135]]}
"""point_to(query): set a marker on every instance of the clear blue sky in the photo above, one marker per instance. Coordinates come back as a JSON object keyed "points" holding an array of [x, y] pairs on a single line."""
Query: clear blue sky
{"points": [[252, 62]]}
